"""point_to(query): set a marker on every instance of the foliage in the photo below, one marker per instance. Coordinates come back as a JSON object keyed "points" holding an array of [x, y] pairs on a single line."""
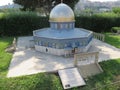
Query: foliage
{"points": [[9, 10], [116, 10], [115, 29], [104, 80], [4, 57], [71, 3], [31, 5], [112, 39], [101, 22], [32, 82], [21, 23], [98, 22], [107, 15]]}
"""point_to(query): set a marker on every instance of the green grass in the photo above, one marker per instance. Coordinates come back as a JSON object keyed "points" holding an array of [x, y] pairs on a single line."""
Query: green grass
{"points": [[4, 57], [111, 72], [31, 82], [47, 81], [112, 39]]}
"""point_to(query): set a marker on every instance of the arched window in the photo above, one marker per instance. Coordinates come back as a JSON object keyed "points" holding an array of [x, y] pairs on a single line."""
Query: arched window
{"points": [[40, 43], [73, 45], [58, 26], [77, 44], [70, 25], [46, 44], [66, 26], [69, 44], [61, 46], [54, 45], [84, 43], [55, 26], [65, 45], [61, 25], [57, 46], [50, 44], [52, 25]]}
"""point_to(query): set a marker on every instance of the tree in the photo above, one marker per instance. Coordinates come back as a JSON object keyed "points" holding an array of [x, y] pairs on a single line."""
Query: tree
{"points": [[31, 5]]}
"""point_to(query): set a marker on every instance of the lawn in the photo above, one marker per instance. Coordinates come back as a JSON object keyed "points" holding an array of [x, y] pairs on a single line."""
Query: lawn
{"points": [[32, 82], [112, 39], [47, 81]]}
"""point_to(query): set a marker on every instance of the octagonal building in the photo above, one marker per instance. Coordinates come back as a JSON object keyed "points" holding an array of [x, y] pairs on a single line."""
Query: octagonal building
{"points": [[62, 38]]}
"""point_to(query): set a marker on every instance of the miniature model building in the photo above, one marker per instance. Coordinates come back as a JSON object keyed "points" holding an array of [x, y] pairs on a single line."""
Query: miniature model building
{"points": [[62, 38]]}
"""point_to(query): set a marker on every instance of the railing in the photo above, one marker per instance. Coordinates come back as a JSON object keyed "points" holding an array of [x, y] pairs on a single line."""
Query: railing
{"points": [[12, 47], [14, 43], [99, 36]]}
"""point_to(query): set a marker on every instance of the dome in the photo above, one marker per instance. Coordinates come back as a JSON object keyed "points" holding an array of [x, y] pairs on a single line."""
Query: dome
{"points": [[61, 13]]}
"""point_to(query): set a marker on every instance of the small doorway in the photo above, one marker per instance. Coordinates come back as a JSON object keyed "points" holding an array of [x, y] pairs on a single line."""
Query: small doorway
{"points": [[74, 50], [46, 50]]}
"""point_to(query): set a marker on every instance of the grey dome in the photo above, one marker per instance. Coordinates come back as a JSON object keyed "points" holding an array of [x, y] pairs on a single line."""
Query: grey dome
{"points": [[62, 13]]}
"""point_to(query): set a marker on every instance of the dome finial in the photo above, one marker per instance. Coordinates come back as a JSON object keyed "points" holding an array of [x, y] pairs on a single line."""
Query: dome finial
{"points": [[61, 1]]}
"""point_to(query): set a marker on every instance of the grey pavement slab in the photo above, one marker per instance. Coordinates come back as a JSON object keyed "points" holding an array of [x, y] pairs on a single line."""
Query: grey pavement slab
{"points": [[26, 62], [106, 51], [71, 78]]}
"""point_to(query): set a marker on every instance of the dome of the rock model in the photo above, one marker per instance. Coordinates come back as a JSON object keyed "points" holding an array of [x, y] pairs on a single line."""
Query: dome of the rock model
{"points": [[62, 38], [61, 13]]}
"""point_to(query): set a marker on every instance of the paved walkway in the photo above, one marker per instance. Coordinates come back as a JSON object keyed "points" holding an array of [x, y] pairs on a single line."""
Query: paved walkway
{"points": [[27, 61], [107, 51]]}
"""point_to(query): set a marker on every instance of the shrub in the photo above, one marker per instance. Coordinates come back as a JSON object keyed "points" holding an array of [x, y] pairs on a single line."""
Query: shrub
{"points": [[99, 22], [22, 23], [116, 10], [115, 29]]}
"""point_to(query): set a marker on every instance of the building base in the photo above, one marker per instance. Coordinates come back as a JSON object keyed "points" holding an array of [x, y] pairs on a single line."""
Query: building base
{"points": [[62, 52]]}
